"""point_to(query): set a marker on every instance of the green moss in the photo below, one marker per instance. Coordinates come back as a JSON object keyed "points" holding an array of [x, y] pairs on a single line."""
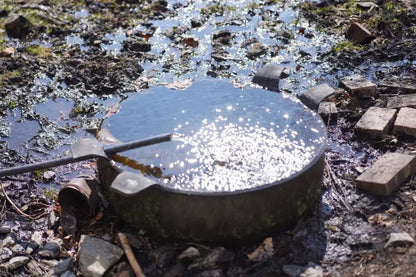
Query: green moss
{"points": [[217, 9], [51, 194], [345, 45], [39, 51]]}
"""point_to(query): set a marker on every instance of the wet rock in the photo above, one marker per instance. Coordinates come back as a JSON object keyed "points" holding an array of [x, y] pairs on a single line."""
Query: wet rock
{"points": [[269, 75], [17, 26], [328, 112], [402, 101], [376, 122], [387, 173], [359, 34], [51, 249], [96, 256], [5, 229], [17, 262], [189, 255], [358, 86], [7, 52], [222, 37], [195, 23], [399, 240], [63, 266], [315, 95], [256, 50], [405, 122]]}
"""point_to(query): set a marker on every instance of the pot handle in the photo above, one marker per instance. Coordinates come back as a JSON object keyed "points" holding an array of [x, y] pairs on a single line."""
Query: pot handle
{"points": [[129, 184]]}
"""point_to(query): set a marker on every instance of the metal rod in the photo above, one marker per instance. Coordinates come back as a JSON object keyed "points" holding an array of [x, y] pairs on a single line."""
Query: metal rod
{"points": [[66, 160]]}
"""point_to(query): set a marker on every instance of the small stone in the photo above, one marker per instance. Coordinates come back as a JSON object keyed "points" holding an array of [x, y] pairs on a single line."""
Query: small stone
{"points": [[399, 240], [5, 229], [5, 253], [68, 274], [405, 122], [51, 249], [315, 95], [31, 247], [359, 34], [358, 86], [7, 52], [17, 26], [17, 262], [387, 173], [18, 249], [8, 241], [328, 111], [212, 273], [256, 50], [269, 76], [36, 237], [96, 256], [48, 176], [189, 255], [62, 267], [401, 101], [376, 122], [219, 256], [195, 23]]}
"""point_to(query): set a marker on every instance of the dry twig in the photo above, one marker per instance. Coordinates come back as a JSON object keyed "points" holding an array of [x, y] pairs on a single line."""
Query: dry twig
{"points": [[130, 255]]}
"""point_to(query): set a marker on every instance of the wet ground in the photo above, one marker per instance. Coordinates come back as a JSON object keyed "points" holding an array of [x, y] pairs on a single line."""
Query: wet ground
{"points": [[83, 57]]}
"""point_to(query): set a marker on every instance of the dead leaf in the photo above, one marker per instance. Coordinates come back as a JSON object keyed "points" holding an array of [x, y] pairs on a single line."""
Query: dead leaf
{"points": [[380, 219], [190, 42], [264, 251], [180, 85]]}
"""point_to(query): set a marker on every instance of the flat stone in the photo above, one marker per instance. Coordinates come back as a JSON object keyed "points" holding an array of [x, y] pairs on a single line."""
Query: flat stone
{"points": [[17, 262], [51, 249], [405, 122], [376, 122], [400, 101], [96, 256], [328, 111], [399, 240], [387, 173], [315, 95], [359, 86], [256, 50], [404, 85], [5, 229], [359, 34], [269, 76]]}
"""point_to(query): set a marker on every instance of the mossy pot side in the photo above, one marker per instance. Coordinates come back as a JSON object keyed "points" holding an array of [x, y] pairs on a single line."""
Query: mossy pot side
{"points": [[218, 217]]}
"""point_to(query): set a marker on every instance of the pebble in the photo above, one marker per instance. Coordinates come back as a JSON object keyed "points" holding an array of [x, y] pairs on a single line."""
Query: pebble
{"points": [[36, 237], [387, 173], [48, 176], [310, 270], [51, 249], [256, 50], [7, 52], [399, 240], [189, 255], [5, 229], [5, 253], [8, 241], [62, 266], [17, 262], [18, 249], [31, 247]]}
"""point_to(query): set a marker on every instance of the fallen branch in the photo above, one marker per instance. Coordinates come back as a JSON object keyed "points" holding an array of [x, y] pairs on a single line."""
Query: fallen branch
{"points": [[130, 255], [19, 211]]}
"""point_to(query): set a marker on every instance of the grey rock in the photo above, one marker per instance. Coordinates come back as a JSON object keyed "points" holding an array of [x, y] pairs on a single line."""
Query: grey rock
{"points": [[48, 176], [189, 255], [315, 95], [17, 262], [219, 256], [310, 270], [17, 26], [359, 86], [8, 241], [387, 173], [376, 122], [5, 229], [37, 237], [399, 240], [405, 122], [62, 266], [34, 270], [269, 76], [96, 256], [18, 249], [195, 23], [68, 274], [400, 101], [5, 253], [399, 85], [51, 249], [212, 273], [359, 34], [31, 247]]}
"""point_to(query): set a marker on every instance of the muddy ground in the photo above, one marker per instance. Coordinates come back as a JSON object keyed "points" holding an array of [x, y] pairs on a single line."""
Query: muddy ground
{"points": [[86, 56]]}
